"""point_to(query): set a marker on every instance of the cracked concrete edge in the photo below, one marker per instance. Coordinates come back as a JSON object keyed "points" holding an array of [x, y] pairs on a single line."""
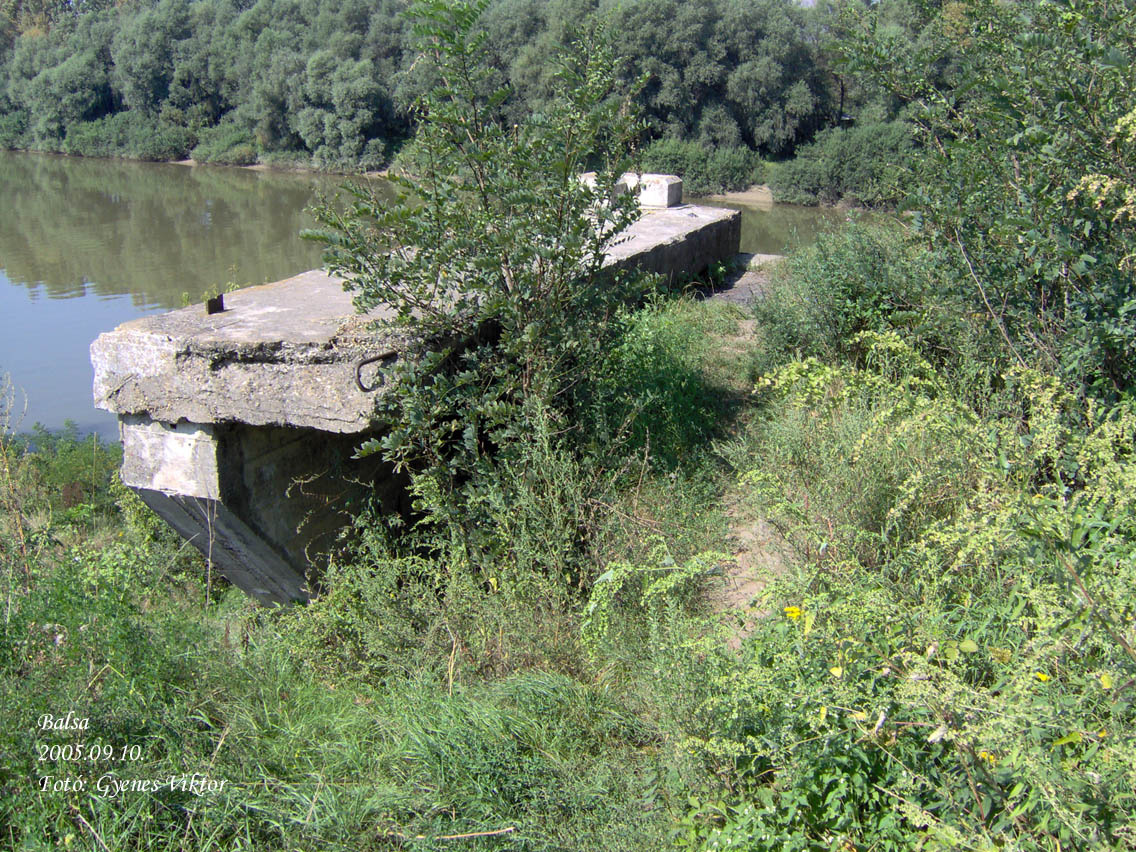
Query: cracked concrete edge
{"points": [[200, 389], [286, 353], [242, 556]]}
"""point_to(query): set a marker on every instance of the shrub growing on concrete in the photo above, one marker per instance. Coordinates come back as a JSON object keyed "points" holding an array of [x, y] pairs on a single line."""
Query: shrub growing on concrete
{"points": [[491, 261]]}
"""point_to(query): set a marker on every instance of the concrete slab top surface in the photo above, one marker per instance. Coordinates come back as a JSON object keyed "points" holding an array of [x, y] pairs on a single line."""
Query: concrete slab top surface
{"points": [[665, 225], [280, 354], [313, 307], [309, 308], [286, 353]]}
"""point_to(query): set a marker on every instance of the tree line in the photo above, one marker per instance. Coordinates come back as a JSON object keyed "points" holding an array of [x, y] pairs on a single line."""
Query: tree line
{"points": [[726, 84]]}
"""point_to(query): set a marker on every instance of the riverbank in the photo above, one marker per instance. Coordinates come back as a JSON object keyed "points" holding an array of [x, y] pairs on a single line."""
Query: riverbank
{"points": [[761, 573], [758, 195], [511, 729], [761, 196], [281, 166], [286, 168]]}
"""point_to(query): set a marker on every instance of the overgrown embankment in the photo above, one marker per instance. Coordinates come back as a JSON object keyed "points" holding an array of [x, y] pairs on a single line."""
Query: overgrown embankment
{"points": [[945, 656], [939, 420], [942, 656], [422, 693]]}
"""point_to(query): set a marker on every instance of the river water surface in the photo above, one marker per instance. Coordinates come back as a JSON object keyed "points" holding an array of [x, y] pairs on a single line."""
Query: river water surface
{"points": [[88, 244]]}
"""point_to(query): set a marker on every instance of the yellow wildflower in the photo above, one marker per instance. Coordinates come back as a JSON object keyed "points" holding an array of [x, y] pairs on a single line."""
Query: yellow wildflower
{"points": [[1042, 676], [793, 612]]}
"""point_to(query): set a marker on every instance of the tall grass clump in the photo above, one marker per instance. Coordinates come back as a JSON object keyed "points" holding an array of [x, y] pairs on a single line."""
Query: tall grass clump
{"points": [[655, 386], [226, 143], [944, 665]]}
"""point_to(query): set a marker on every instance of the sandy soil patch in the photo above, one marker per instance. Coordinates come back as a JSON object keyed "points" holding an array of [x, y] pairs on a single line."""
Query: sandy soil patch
{"points": [[757, 195]]}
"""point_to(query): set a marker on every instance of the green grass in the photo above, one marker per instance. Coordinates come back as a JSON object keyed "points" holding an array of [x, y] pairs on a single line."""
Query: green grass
{"points": [[317, 750], [308, 762], [936, 664]]}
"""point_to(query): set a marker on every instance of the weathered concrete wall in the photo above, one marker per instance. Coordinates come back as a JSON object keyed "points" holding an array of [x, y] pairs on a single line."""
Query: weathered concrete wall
{"points": [[678, 241], [239, 428], [281, 354], [262, 502]]}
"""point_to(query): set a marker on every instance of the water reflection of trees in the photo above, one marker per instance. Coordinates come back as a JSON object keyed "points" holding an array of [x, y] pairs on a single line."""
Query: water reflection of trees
{"points": [[776, 229], [70, 227]]}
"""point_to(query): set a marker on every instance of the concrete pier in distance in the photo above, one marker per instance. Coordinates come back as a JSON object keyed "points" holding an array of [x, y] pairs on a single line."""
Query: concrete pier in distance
{"points": [[239, 428]]}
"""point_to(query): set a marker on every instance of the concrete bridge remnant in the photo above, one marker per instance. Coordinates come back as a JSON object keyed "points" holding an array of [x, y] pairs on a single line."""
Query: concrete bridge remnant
{"points": [[239, 428]]}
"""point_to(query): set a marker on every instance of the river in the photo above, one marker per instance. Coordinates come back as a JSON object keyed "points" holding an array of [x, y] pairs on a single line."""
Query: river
{"points": [[88, 244]]}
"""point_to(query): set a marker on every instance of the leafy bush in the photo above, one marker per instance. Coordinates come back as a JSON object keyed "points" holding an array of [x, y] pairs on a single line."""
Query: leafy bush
{"points": [[344, 108], [491, 263], [397, 602], [862, 165], [128, 134], [226, 143], [1025, 179], [703, 172]]}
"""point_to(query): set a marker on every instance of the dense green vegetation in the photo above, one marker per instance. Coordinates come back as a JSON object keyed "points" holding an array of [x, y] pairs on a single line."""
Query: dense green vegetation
{"points": [[331, 83], [862, 165], [919, 444]]}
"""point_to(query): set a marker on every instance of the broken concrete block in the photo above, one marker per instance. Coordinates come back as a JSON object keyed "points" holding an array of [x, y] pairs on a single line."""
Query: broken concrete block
{"points": [[654, 191]]}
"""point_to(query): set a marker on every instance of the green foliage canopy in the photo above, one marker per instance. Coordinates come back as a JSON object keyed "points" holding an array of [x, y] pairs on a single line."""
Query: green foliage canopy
{"points": [[490, 263], [1029, 169], [332, 83]]}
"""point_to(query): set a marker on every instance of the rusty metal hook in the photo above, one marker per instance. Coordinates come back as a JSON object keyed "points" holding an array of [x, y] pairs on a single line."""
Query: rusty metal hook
{"points": [[386, 356]]}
